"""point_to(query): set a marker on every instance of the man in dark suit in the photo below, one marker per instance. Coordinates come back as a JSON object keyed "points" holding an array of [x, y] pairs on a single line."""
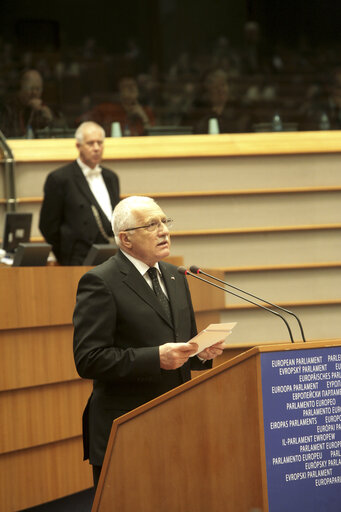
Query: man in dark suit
{"points": [[79, 199], [130, 332]]}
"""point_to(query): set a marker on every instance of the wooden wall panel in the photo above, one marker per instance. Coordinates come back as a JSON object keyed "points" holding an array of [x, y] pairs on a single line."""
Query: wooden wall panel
{"points": [[41, 415], [38, 475], [41, 395], [316, 284], [249, 249], [258, 326], [36, 356], [41, 296], [233, 212], [204, 318], [204, 296]]}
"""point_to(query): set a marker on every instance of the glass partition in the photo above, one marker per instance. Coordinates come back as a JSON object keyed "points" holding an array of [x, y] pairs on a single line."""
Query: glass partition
{"points": [[149, 67]]}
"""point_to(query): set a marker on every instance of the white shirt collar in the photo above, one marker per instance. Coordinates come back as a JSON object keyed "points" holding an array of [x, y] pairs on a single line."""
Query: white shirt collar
{"points": [[140, 265], [87, 171]]}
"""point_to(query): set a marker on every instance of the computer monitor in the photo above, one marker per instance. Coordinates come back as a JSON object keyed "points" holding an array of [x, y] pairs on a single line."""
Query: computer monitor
{"points": [[99, 253], [17, 230], [31, 255]]}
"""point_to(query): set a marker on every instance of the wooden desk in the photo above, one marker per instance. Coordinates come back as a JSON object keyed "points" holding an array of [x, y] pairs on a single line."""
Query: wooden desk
{"points": [[41, 395]]}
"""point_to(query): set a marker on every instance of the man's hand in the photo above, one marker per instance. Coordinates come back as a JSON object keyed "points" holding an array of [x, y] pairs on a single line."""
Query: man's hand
{"points": [[174, 355], [37, 105], [213, 351], [136, 110]]}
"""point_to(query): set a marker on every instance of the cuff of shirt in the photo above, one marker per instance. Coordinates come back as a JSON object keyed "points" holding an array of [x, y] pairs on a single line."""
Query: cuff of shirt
{"points": [[201, 359]]}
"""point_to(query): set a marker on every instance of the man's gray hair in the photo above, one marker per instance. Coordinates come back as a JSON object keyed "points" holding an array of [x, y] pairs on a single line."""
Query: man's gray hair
{"points": [[79, 134], [124, 214]]}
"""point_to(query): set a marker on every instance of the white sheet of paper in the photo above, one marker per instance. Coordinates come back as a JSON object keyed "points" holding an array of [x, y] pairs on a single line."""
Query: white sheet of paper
{"points": [[211, 335]]}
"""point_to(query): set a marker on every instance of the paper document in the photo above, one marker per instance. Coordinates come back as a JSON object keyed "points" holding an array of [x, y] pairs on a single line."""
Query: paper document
{"points": [[211, 335]]}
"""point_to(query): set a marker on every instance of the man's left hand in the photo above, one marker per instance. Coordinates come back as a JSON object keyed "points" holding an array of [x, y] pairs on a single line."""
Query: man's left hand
{"points": [[213, 351]]}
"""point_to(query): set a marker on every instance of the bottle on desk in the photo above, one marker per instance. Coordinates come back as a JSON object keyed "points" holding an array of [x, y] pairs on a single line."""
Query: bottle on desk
{"points": [[277, 125], [324, 123]]}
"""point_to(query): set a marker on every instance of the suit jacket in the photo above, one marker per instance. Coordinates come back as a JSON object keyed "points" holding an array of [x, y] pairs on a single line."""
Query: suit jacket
{"points": [[66, 218], [118, 327]]}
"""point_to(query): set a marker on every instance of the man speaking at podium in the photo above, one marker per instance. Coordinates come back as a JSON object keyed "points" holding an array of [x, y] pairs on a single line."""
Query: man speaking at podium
{"points": [[132, 319]]}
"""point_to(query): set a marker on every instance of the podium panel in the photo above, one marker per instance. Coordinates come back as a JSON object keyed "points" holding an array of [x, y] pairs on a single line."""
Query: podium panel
{"points": [[186, 450], [302, 429], [220, 442]]}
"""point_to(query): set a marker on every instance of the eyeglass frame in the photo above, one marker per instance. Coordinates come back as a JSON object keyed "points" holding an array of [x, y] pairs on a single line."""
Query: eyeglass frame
{"points": [[166, 222]]}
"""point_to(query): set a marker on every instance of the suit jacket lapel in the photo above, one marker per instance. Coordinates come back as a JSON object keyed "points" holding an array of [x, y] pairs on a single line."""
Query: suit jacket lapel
{"points": [[138, 284], [82, 184]]}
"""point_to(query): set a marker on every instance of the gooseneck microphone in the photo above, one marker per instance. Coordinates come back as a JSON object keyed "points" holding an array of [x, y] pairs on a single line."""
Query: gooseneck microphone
{"points": [[197, 270], [184, 271]]}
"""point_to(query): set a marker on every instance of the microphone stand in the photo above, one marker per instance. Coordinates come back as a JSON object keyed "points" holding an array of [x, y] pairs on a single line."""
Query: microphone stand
{"points": [[9, 180], [183, 270], [198, 270]]}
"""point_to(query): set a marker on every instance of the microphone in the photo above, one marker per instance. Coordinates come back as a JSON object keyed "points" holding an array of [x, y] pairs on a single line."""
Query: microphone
{"points": [[184, 271], [197, 270]]}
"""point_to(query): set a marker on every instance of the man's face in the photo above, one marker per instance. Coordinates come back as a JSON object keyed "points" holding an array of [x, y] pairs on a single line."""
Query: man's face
{"points": [[31, 87], [149, 246], [218, 91], [128, 91], [91, 149]]}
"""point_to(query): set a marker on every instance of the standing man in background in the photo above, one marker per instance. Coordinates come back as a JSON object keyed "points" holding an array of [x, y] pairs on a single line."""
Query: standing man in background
{"points": [[79, 199], [132, 319]]}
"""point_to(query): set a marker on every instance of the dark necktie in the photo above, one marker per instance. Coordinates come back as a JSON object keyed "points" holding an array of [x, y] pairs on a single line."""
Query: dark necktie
{"points": [[152, 271]]}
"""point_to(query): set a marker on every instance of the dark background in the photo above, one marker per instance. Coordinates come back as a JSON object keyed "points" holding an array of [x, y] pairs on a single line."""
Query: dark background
{"points": [[166, 27], [82, 48]]}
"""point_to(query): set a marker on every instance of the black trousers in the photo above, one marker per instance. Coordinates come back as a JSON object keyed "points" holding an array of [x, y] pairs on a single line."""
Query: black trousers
{"points": [[96, 471]]}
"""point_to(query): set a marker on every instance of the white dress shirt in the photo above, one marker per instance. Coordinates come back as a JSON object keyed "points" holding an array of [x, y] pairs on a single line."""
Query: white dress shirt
{"points": [[143, 269], [97, 186]]}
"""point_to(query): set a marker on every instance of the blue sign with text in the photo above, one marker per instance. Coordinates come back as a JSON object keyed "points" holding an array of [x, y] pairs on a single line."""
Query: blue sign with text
{"points": [[302, 428]]}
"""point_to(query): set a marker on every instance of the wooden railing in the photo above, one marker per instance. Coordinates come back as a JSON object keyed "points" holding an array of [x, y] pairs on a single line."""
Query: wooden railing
{"points": [[211, 193], [184, 146]]}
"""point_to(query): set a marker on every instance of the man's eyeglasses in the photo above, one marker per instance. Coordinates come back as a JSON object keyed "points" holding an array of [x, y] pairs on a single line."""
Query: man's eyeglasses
{"points": [[153, 226]]}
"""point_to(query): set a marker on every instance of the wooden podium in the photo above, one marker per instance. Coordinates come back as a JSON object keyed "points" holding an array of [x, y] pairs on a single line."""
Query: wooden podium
{"points": [[200, 447]]}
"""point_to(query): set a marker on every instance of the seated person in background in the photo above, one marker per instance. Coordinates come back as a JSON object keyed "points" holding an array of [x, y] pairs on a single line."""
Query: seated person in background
{"points": [[132, 116], [322, 111], [79, 199], [220, 105], [24, 113]]}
